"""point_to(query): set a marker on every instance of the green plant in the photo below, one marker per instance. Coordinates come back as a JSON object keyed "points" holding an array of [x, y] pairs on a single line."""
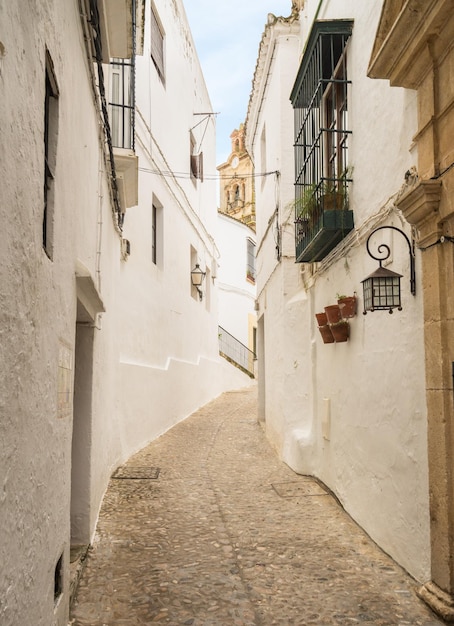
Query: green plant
{"points": [[306, 204], [326, 194], [334, 192]]}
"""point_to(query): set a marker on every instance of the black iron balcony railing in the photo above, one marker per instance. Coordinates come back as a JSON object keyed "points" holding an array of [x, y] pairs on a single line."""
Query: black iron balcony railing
{"points": [[322, 219], [235, 351], [320, 100]]}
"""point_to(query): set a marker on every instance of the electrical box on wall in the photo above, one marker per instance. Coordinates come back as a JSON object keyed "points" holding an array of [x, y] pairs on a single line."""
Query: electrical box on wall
{"points": [[326, 419]]}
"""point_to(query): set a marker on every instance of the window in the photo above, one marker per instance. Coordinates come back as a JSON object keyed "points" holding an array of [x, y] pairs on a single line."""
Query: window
{"points": [[58, 579], [154, 255], [157, 233], [122, 103], [50, 154], [336, 124], [250, 265], [320, 101], [157, 43]]}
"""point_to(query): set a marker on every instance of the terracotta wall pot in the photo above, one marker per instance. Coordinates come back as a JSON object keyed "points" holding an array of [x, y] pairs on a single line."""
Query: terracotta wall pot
{"points": [[322, 320], [340, 331], [333, 313], [326, 334], [347, 307]]}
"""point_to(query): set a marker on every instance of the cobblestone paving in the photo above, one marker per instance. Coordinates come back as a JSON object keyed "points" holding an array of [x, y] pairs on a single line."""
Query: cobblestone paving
{"points": [[227, 535]]}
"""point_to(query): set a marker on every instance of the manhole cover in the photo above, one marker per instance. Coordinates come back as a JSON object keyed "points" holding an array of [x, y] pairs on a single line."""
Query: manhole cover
{"points": [[296, 489], [137, 473]]}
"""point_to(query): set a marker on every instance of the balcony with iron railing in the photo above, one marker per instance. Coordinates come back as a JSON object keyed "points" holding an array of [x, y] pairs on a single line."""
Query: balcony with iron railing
{"points": [[322, 218], [320, 99], [122, 122]]}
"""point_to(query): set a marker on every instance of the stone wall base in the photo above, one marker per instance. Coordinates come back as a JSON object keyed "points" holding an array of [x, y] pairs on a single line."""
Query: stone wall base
{"points": [[440, 602]]}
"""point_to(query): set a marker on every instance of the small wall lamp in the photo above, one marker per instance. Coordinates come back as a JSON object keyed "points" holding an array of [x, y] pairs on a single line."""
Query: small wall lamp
{"points": [[197, 278], [381, 289]]}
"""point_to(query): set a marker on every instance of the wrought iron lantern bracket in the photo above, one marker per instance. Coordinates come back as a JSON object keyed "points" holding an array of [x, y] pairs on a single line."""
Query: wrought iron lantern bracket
{"points": [[197, 278], [382, 288]]}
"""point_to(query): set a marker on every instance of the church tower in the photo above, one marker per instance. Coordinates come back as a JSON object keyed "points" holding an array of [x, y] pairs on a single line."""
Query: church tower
{"points": [[237, 182]]}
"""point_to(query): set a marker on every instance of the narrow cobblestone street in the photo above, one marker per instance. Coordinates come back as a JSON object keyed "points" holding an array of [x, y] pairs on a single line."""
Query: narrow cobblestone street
{"points": [[225, 534]]}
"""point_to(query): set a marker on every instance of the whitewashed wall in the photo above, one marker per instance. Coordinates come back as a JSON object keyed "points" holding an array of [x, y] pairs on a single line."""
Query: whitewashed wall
{"points": [[352, 414], [169, 349], [270, 141], [152, 357], [38, 301], [236, 294]]}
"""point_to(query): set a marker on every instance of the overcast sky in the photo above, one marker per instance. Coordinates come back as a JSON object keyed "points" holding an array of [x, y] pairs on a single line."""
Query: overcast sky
{"points": [[227, 35]]}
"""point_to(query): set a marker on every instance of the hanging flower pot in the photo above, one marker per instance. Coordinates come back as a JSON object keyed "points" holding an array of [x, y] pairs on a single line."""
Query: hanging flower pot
{"points": [[321, 319], [333, 313], [326, 334], [347, 306], [340, 331]]}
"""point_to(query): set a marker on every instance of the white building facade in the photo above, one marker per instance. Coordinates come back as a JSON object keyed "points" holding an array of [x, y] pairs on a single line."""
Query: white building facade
{"points": [[351, 413], [169, 348], [105, 343], [236, 283]]}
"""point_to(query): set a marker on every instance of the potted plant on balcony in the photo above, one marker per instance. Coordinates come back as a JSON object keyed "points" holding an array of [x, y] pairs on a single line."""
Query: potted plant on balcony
{"points": [[305, 207], [335, 192], [334, 199]]}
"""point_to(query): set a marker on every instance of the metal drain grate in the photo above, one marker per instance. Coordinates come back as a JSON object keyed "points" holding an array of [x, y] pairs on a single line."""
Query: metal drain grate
{"points": [[136, 473], [297, 489]]}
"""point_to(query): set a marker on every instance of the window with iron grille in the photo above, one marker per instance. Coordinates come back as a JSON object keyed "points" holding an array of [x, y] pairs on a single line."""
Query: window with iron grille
{"points": [[320, 102], [122, 95], [154, 217], [50, 153], [157, 43], [157, 232]]}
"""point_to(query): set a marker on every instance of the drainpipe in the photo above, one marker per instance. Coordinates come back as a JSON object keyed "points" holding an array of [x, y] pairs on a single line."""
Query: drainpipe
{"points": [[318, 10]]}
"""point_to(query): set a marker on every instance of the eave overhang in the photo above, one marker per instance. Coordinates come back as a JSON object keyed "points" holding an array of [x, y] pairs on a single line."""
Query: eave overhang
{"points": [[116, 24], [319, 28], [401, 51]]}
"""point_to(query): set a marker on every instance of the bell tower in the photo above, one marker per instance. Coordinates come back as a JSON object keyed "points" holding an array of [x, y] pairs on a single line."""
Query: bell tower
{"points": [[237, 182]]}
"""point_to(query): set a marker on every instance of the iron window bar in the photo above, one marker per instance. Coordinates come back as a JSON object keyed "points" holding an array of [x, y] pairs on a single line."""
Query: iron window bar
{"points": [[320, 102], [122, 106]]}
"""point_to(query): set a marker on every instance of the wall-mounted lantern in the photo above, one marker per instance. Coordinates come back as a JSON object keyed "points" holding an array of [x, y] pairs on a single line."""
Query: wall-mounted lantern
{"points": [[197, 278], [381, 290]]}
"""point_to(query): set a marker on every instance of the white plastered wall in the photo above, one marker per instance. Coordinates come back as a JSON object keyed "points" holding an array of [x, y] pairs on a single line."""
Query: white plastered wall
{"points": [[352, 414], [39, 300], [169, 348], [125, 312], [236, 294]]}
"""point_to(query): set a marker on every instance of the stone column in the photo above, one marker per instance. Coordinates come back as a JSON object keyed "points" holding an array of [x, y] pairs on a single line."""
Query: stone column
{"points": [[420, 205]]}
